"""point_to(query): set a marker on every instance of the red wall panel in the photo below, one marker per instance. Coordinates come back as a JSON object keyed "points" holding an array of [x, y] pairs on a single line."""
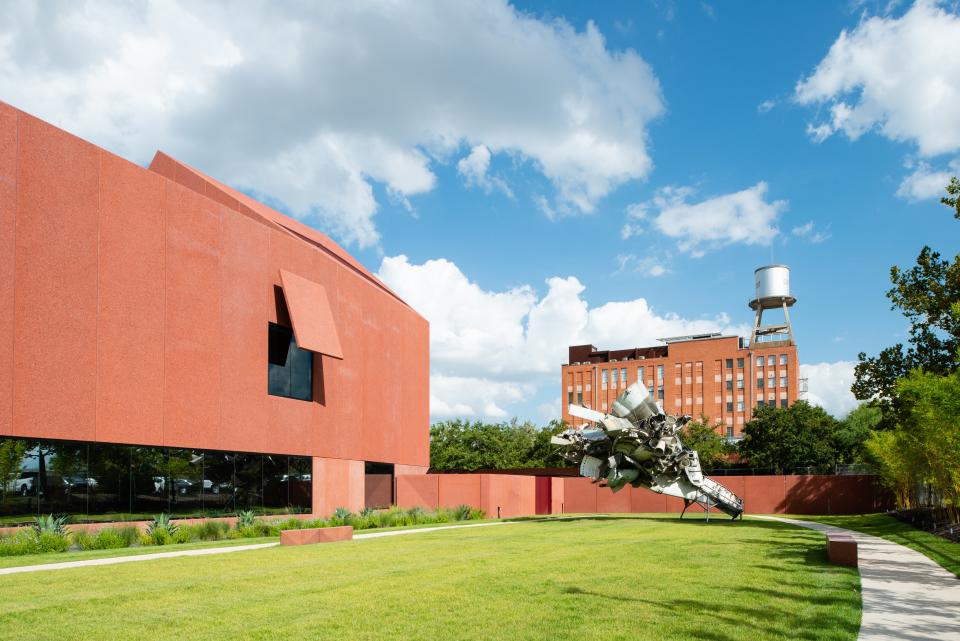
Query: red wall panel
{"points": [[579, 495], [763, 494], [193, 322], [507, 496], [608, 501], [643, 500], [459, 489], [8, 205], [244, 404], [418, 490], [130, 330], [55, 330]]}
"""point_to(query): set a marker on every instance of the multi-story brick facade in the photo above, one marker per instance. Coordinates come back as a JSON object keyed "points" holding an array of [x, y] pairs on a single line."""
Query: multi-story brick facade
{"points": [[716, 376]]}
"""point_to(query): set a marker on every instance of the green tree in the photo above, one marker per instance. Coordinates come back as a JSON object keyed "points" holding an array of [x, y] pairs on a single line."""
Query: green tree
{"points": [[712, 449], [928, 294], [929, 431], [785, 439], [12, 451], [466, 445], [853, 432], [953, 199]]}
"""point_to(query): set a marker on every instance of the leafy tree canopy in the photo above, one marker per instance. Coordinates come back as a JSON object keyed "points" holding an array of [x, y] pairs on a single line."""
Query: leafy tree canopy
{"points": [[466, 445], [928, 294], [783, 440], [703, 437]]}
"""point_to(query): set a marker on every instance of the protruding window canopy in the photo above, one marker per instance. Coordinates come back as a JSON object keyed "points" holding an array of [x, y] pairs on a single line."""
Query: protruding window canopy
{"points": [[310, 315]]}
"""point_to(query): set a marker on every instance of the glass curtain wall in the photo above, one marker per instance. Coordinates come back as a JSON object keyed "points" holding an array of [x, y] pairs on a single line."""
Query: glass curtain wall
{"points": [[100, 481]]}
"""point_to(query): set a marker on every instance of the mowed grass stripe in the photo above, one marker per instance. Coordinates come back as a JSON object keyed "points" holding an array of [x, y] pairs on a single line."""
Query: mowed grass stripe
{"points": [[606, 578]]}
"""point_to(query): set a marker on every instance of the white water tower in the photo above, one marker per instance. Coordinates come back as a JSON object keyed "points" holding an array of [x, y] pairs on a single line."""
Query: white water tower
{"points": [[773, 292]]}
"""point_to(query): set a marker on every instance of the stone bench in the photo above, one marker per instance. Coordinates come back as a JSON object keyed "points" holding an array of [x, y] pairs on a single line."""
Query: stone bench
{"points": [[316, 535], [842, 549]]}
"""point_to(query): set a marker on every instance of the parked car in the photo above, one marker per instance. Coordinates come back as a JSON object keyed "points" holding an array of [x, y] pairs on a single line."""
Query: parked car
{"points": [[79, 483], [23, 483]]}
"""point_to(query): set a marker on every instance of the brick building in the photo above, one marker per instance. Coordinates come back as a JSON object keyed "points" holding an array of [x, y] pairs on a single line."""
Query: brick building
{"points": [[720, 377]]}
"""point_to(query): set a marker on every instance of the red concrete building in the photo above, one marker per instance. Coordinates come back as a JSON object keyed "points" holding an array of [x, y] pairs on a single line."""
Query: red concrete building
{"points": [[221, 351], [720, 377]]}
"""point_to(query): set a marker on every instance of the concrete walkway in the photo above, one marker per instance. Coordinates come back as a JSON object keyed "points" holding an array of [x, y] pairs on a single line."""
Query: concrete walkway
{"points": [[219, 550], [906, 596]]}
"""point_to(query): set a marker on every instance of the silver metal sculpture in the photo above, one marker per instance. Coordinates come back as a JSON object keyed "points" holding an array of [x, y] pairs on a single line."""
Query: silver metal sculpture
{"points": [[638, 444]]}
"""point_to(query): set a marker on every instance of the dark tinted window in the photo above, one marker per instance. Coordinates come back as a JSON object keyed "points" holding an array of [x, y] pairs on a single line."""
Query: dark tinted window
{"points": [[290, 369], [76, 478]]}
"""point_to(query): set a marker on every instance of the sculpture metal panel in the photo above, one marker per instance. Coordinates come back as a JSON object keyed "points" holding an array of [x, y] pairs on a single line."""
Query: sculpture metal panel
{"points": [[638, 444]]}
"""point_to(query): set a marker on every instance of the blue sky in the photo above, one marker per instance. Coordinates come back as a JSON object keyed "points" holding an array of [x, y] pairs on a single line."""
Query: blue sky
{"points": [[536, 174]]}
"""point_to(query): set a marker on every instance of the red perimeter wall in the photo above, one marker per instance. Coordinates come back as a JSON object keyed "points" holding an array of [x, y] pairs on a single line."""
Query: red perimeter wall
{"points": [[517, 495]]}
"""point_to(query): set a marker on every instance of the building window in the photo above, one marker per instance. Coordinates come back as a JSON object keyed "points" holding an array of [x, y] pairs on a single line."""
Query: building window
{"points": [[729, 363], [660, 392], [759, 383], [772, 403], [290, 369], [729, 386], [783, 359], [135, 481], [739, 406], [615, 374], [739, 383], [569, 398], [604, 375], [729, 431], [783, 402], [783, 381], [579, 398], [640, 374], [729, 406], [623, 375], [740, 363], [771, 360], [771, 383], [759, 361], [760, 402], [659, 372]]}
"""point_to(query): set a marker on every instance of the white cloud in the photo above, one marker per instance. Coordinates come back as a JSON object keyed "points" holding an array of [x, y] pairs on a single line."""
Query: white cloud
{"points": [[829, 384], [900, 76], [741, 217], [501, 347], [636, 213], [809, 232], [475, 168], [464, 396], [314, 104], [645, 265], [926, 182], [766, 106]]}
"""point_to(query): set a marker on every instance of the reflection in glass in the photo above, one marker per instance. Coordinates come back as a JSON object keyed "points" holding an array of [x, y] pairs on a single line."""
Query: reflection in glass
{"points": [[276, 481], [248, 478], [137, 482], [149, 486], [18, 475], [289, 368], [62, 476], [300, 484], [218, 485], [109, 490], [185, 474]]}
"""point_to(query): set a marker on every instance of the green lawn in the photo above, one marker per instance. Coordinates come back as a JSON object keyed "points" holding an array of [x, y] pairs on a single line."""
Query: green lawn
{"points": [[619, 577], [83, 555], [944, 552]]}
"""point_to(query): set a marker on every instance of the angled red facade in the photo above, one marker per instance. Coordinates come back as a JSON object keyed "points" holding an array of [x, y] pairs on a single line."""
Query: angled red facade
{"points": [[135, 305]]}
